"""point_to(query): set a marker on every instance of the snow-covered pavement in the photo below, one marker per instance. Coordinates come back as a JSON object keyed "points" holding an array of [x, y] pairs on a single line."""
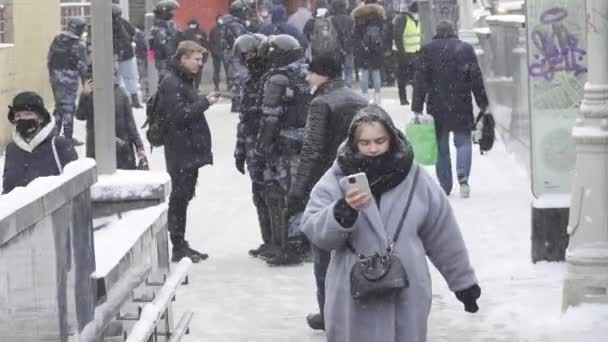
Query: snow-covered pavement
{"points": [[237, 298]]}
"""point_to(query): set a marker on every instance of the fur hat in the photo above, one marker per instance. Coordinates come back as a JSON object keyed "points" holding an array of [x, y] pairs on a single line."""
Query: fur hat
{"points": [[29, 101], [326, 65]]}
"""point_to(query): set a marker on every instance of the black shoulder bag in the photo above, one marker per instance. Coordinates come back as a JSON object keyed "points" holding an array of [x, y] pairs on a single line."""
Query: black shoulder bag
{"points": [[381, 275]]}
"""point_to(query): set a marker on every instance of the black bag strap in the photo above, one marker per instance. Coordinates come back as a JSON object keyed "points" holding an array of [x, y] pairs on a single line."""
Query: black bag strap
{"points": [[401, 221]]}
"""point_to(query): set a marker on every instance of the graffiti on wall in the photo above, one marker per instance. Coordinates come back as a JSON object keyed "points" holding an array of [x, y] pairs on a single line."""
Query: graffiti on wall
{"points": [[556, 49]]}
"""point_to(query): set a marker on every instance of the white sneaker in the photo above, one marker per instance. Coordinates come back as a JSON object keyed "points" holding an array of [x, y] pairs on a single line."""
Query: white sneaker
{"points": [[465, 190]]}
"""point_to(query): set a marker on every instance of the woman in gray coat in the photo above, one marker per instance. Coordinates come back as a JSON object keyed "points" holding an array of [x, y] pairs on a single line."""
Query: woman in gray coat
{"points": [[334, 216]]}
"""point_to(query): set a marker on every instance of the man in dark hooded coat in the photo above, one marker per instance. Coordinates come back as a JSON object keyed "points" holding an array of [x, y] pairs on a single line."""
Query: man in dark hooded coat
{"points": [[446, 76]]}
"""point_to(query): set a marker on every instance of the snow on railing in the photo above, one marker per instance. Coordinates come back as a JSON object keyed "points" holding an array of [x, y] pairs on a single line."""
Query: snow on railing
{"points": [[152, 313]]}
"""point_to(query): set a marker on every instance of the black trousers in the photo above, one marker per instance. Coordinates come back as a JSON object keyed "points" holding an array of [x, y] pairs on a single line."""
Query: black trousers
{"points": [[321, 264], [217, 69], [262, 208], [277, 207], [406, 64], [183, 186]]}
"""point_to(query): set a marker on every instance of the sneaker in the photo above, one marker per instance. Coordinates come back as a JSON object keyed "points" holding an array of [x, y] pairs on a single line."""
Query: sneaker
{"points": [[405, 102], [255, 252], [284, 258], [315, 321], [465, 190], [202, 256]]}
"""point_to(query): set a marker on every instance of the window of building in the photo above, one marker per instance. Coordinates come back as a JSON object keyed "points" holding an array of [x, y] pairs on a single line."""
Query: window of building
{"points": [[6, 22], [75, 8]]}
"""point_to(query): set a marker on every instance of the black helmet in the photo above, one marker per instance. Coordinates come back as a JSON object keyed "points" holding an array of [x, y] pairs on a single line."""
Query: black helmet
{"points": [[164, 9], [116, 11], [283, 49], [238, 8], [247, 43], [76, 25]]}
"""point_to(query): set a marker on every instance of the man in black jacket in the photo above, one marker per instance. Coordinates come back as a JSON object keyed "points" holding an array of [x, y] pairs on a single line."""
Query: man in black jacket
{"points": [[188, 140], [447, 74], [329, 117]]}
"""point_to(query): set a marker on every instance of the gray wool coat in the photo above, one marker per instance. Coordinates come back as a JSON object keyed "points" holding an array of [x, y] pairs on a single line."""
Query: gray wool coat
{"points": [[430, 230]]}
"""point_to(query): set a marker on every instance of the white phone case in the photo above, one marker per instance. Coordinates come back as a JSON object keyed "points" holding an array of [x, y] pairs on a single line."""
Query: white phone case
{"points": [[356, 181]]}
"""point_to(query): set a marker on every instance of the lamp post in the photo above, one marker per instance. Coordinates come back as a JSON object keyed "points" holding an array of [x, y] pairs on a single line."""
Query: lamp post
{"points": [[587, 255], [103, 87]]}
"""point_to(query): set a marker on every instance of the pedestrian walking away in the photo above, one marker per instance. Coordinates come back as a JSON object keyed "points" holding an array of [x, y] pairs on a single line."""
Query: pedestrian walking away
{"points": [[331, 110], [369, 51], [447, 74], [407, 37], [36, 150], [187, 142], [67, 65], [354, 223], [123, 34]]}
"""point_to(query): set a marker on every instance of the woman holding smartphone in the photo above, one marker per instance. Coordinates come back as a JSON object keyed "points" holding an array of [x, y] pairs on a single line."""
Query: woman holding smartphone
{"points": [[354, 221]]}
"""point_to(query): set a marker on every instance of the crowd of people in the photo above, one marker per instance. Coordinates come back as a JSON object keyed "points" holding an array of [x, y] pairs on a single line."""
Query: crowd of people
{"points": [[302, 131]]}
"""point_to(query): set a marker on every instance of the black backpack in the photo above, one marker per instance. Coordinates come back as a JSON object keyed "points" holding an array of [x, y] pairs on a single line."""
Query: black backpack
{"points": [[372, 39], [488, 135], [324, 37], [155, 121]]}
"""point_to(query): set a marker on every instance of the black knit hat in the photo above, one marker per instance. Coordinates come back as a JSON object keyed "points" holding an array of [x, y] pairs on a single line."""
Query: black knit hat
{"points": [[30, 101], [326, 65]]}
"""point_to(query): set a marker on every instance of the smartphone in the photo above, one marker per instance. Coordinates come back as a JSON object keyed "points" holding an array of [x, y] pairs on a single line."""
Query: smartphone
{"points": [[356, 181]]}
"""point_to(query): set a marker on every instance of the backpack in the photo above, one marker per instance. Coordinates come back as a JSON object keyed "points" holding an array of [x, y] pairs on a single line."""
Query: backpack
{"points": [[156, 122], [324, 37], [372, 39], [485, 135]]}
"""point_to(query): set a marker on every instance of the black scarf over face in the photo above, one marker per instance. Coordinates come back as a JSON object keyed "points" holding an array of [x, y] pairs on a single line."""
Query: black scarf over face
{"points": [[383, 172]]}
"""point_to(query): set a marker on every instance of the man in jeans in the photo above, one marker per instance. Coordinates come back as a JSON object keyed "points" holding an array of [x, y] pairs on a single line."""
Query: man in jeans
{"points": [[187, 141], [446, 76]]}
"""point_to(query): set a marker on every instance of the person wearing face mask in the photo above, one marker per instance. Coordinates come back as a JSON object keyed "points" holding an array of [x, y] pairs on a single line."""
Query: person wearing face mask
{"points": [[407, 37], [355, 224], [217, 50], [36, 150], [67, 64], [163, 36], [331, 110]]}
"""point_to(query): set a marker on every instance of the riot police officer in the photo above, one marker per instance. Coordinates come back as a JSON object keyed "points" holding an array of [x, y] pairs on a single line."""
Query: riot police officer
{"points": [[286, 97], [163, 36], [246, 48], [232, 26], [67, 64]]}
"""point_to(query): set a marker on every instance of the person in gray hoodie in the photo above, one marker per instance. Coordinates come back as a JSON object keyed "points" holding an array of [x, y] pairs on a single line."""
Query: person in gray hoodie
{"points": [[337, 218]]}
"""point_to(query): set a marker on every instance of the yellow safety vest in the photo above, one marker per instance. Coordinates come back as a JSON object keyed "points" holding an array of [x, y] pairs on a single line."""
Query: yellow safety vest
{"points": [[411, 36]]}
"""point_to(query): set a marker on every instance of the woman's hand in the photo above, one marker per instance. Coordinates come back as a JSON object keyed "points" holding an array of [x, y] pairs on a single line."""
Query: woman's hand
{"points": [[357, 199]]}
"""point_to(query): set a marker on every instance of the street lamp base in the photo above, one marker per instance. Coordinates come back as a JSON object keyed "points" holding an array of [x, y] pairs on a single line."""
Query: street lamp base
{"points": [[587, 275]]}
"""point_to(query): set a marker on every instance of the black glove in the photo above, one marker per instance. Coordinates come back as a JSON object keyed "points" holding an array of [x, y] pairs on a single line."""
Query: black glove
{"points": [[469, 298], [240, 165]]}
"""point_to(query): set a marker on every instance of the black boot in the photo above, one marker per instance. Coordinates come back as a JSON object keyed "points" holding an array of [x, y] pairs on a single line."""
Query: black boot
{"points": [[183, 250], [285, 258], [315, 321], [257, 251], [135, 101], [268, 253]]}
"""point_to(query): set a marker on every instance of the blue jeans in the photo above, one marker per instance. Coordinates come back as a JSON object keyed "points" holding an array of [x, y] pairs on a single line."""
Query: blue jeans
{"points": [[463, 143], [349, 68], [129, 76], [376, 79]]}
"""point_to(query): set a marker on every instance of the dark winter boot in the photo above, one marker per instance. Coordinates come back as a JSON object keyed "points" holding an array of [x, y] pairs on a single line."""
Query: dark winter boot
{"points": [[285, 258], [135, 101], [268, 253], [315, 321], [257, 251], [183, 250]]}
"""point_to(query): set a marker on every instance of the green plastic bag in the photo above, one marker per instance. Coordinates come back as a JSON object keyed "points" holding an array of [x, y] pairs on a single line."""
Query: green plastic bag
{"points": [[423, 138]]}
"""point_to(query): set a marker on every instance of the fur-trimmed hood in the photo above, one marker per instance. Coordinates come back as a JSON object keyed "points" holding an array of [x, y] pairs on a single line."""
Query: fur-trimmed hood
{"points": [[369, 10]]}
